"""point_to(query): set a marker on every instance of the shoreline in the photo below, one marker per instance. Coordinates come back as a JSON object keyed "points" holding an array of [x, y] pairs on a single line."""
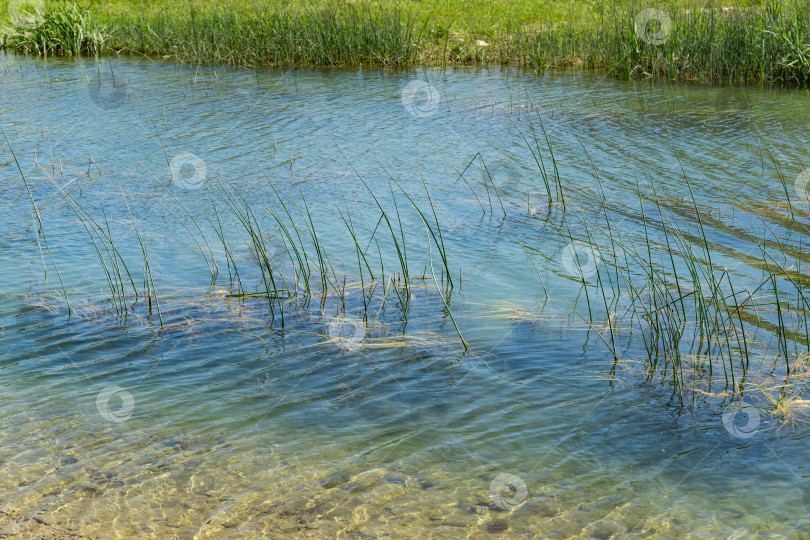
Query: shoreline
{"points": [[554, 71], [727, 46]]}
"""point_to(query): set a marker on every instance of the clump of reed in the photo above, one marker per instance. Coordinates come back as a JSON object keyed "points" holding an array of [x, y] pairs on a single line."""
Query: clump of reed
{"points": [[768, 43], [290, 277], [65, 30], [331, 35], [702, 325]]}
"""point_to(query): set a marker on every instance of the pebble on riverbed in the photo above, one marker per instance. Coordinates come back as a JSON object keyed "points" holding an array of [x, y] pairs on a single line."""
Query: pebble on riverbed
{"points": [[603, 530], [498, 526], [102, 477], [396, 479], [335, 480], [482, 507], [177, 444]]}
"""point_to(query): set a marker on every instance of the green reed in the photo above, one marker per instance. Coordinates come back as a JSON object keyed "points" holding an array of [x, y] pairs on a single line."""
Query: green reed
{"points": [[748, 42], [332, 35], [691, 315], [40, 227], [148, 279], [64, 30], [756, 43]]}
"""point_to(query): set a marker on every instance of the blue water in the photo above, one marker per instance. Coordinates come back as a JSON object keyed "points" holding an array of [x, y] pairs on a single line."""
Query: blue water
{"points": [[214, 412]]}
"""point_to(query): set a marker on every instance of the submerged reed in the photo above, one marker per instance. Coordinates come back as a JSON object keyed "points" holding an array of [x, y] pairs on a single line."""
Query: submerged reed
{"points": [[699, 324]]}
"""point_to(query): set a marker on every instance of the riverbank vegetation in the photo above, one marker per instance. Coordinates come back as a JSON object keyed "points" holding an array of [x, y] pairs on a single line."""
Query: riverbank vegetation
{"points": [[734, 41]]}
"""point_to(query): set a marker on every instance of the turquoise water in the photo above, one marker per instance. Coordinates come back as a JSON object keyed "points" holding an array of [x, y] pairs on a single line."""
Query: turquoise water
{"points": [[212, 413]]}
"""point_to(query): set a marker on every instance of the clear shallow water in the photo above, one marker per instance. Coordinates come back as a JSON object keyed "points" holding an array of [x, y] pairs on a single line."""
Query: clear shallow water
{"points": [[221, 421]]}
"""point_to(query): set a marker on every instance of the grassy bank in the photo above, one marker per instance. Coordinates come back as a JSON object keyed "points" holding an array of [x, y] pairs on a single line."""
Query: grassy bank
{"points": [[736, 41]]}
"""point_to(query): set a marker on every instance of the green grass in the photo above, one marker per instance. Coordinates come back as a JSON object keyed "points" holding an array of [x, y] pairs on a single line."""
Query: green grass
{"points": [[66, 30], [753, 42]]}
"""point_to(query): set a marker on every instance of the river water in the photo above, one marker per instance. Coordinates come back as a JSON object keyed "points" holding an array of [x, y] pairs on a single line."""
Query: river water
{"points": [[214, 413]]}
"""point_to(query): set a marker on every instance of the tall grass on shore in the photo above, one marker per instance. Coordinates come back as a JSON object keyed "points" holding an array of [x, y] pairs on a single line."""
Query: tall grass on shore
{"points": [[755, 43], [330, 36], [66, 30], [770, 43]]}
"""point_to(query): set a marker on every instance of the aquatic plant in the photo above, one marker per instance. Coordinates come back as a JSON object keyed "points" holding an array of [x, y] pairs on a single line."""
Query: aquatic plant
{"points": [[701, 325]]}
